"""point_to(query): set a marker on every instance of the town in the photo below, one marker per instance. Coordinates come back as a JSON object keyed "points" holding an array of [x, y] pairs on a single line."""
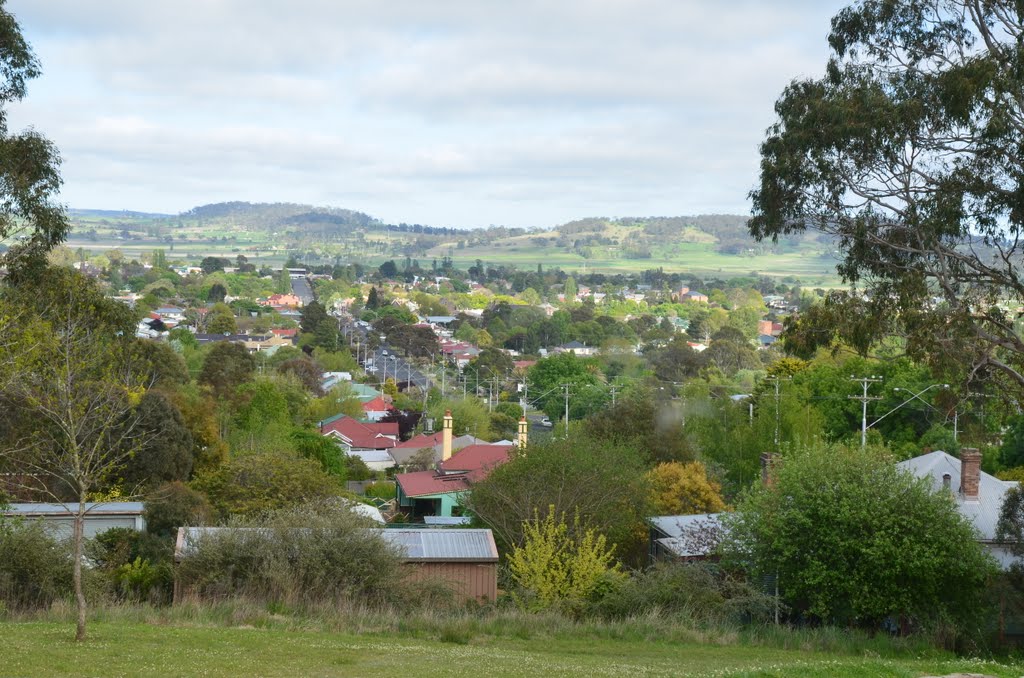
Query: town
{"points": [[520, 339]]}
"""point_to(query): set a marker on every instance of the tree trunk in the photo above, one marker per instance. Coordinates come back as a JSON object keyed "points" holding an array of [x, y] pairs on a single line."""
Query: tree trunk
{"points": [[78, 539]]}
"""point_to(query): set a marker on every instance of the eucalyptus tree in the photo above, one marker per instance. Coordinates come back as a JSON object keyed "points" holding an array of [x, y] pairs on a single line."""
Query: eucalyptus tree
{"points": [[909, 153]]}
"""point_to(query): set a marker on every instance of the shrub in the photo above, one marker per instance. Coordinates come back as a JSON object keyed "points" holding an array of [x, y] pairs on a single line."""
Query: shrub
{"points": [[558, 568], [312, 553], [381, 490], [35, 568], [701, 593], [139, 565], [844, 530]]}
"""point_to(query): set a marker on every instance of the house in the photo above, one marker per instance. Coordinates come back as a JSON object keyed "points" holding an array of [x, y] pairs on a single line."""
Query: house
{"points": [[696, 297], [765, 341], [99, 516], [376, 409], [329, 380], [465, 560], [578, 348], [440, 492], [283, 301], [355, 435], [978, 495]]}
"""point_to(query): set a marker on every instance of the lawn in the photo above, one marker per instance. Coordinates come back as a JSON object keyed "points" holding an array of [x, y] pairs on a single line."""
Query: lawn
{"points": [[133, 648]]}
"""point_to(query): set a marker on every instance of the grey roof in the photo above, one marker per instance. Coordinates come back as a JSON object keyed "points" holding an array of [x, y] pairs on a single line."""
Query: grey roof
{"points": [[679, 529], [675, 526], [419, 545], [91, 508], [983, 513], [429, 544]]}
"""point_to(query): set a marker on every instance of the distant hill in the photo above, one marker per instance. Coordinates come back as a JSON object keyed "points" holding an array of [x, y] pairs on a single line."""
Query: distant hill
{"points": [[712, 243], [115, 214]]}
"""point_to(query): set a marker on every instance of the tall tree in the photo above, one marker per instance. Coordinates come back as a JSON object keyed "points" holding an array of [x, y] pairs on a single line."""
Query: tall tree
{"points": [[910, 153], [70, 380], [31, 221]]}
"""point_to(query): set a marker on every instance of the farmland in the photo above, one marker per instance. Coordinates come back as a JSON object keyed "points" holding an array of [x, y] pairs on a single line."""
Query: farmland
{"points": [[269, 234]]}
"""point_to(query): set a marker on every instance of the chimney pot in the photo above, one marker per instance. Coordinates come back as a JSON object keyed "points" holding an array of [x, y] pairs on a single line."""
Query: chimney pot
{"points": [[524, 427], [446, 437], [970, 473]]}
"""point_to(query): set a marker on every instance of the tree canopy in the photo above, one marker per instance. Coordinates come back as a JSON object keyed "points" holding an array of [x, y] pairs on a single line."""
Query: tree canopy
{"points": [[844, 531], [909, 153]]}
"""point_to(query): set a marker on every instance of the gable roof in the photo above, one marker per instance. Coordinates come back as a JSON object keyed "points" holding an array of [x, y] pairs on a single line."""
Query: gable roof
{"points": [[983, 513], [477, 458], [371, 436], [403, 452]]}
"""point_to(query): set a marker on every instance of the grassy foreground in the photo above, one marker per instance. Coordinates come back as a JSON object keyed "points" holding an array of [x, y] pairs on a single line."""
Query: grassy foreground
{"points": [[137, 648]]}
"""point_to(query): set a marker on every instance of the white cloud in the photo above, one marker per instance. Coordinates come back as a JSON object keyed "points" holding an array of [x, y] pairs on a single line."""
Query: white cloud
{"points": [[463, 112]]}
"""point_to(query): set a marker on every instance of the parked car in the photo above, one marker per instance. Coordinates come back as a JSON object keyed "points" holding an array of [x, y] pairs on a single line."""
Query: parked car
{"points": [[546, 422]]}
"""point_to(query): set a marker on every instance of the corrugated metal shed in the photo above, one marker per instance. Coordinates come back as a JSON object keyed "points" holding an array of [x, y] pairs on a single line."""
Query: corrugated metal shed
{"points": [[99, 516], [422, 545]]}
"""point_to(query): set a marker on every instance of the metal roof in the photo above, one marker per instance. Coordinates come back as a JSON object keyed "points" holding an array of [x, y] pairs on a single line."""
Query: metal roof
{"points": [[675, 526], [446, 520], [91, 508], [983, 513], [425, 545], [683, 532]]}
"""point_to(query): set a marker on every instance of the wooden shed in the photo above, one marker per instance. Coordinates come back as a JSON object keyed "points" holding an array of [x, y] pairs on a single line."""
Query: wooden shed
{"points": [[465, 560]]}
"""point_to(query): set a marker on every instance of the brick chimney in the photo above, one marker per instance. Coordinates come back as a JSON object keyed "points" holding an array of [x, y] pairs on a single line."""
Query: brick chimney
{"points": [[524, 427], [768, 462], [970, 473], [446, 437]]}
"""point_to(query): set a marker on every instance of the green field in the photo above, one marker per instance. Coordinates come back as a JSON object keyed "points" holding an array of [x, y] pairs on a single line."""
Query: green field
{"points": [[688, 250], [132, 648]]}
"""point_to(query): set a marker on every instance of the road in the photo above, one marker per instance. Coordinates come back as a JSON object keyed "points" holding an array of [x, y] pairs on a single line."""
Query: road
{"points": [[386, 363], [302, 289]]}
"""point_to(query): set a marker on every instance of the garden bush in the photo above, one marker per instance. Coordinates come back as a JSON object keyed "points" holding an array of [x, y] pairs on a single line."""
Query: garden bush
{"points": [[701, 593], [35, 567], [309, 553]]}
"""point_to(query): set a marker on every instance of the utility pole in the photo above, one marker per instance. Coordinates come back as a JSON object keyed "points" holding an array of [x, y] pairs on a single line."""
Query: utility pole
{"points": [[614, 390], [778, 416], [566, 387], [865, 382], [526, 396]]}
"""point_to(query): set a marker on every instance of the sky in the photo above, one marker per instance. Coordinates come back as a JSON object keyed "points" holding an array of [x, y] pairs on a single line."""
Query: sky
{"points": [[459, 113]]}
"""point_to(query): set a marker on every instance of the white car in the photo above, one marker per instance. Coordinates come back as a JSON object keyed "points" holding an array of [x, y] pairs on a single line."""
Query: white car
{"points": [[546, 422]]}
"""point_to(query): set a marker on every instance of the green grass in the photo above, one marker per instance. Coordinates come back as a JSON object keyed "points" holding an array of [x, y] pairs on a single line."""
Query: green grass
{"points": [[136, 647]]}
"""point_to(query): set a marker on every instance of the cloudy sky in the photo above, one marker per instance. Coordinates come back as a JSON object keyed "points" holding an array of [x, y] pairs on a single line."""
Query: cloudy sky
{"points": [[445, 112]]}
